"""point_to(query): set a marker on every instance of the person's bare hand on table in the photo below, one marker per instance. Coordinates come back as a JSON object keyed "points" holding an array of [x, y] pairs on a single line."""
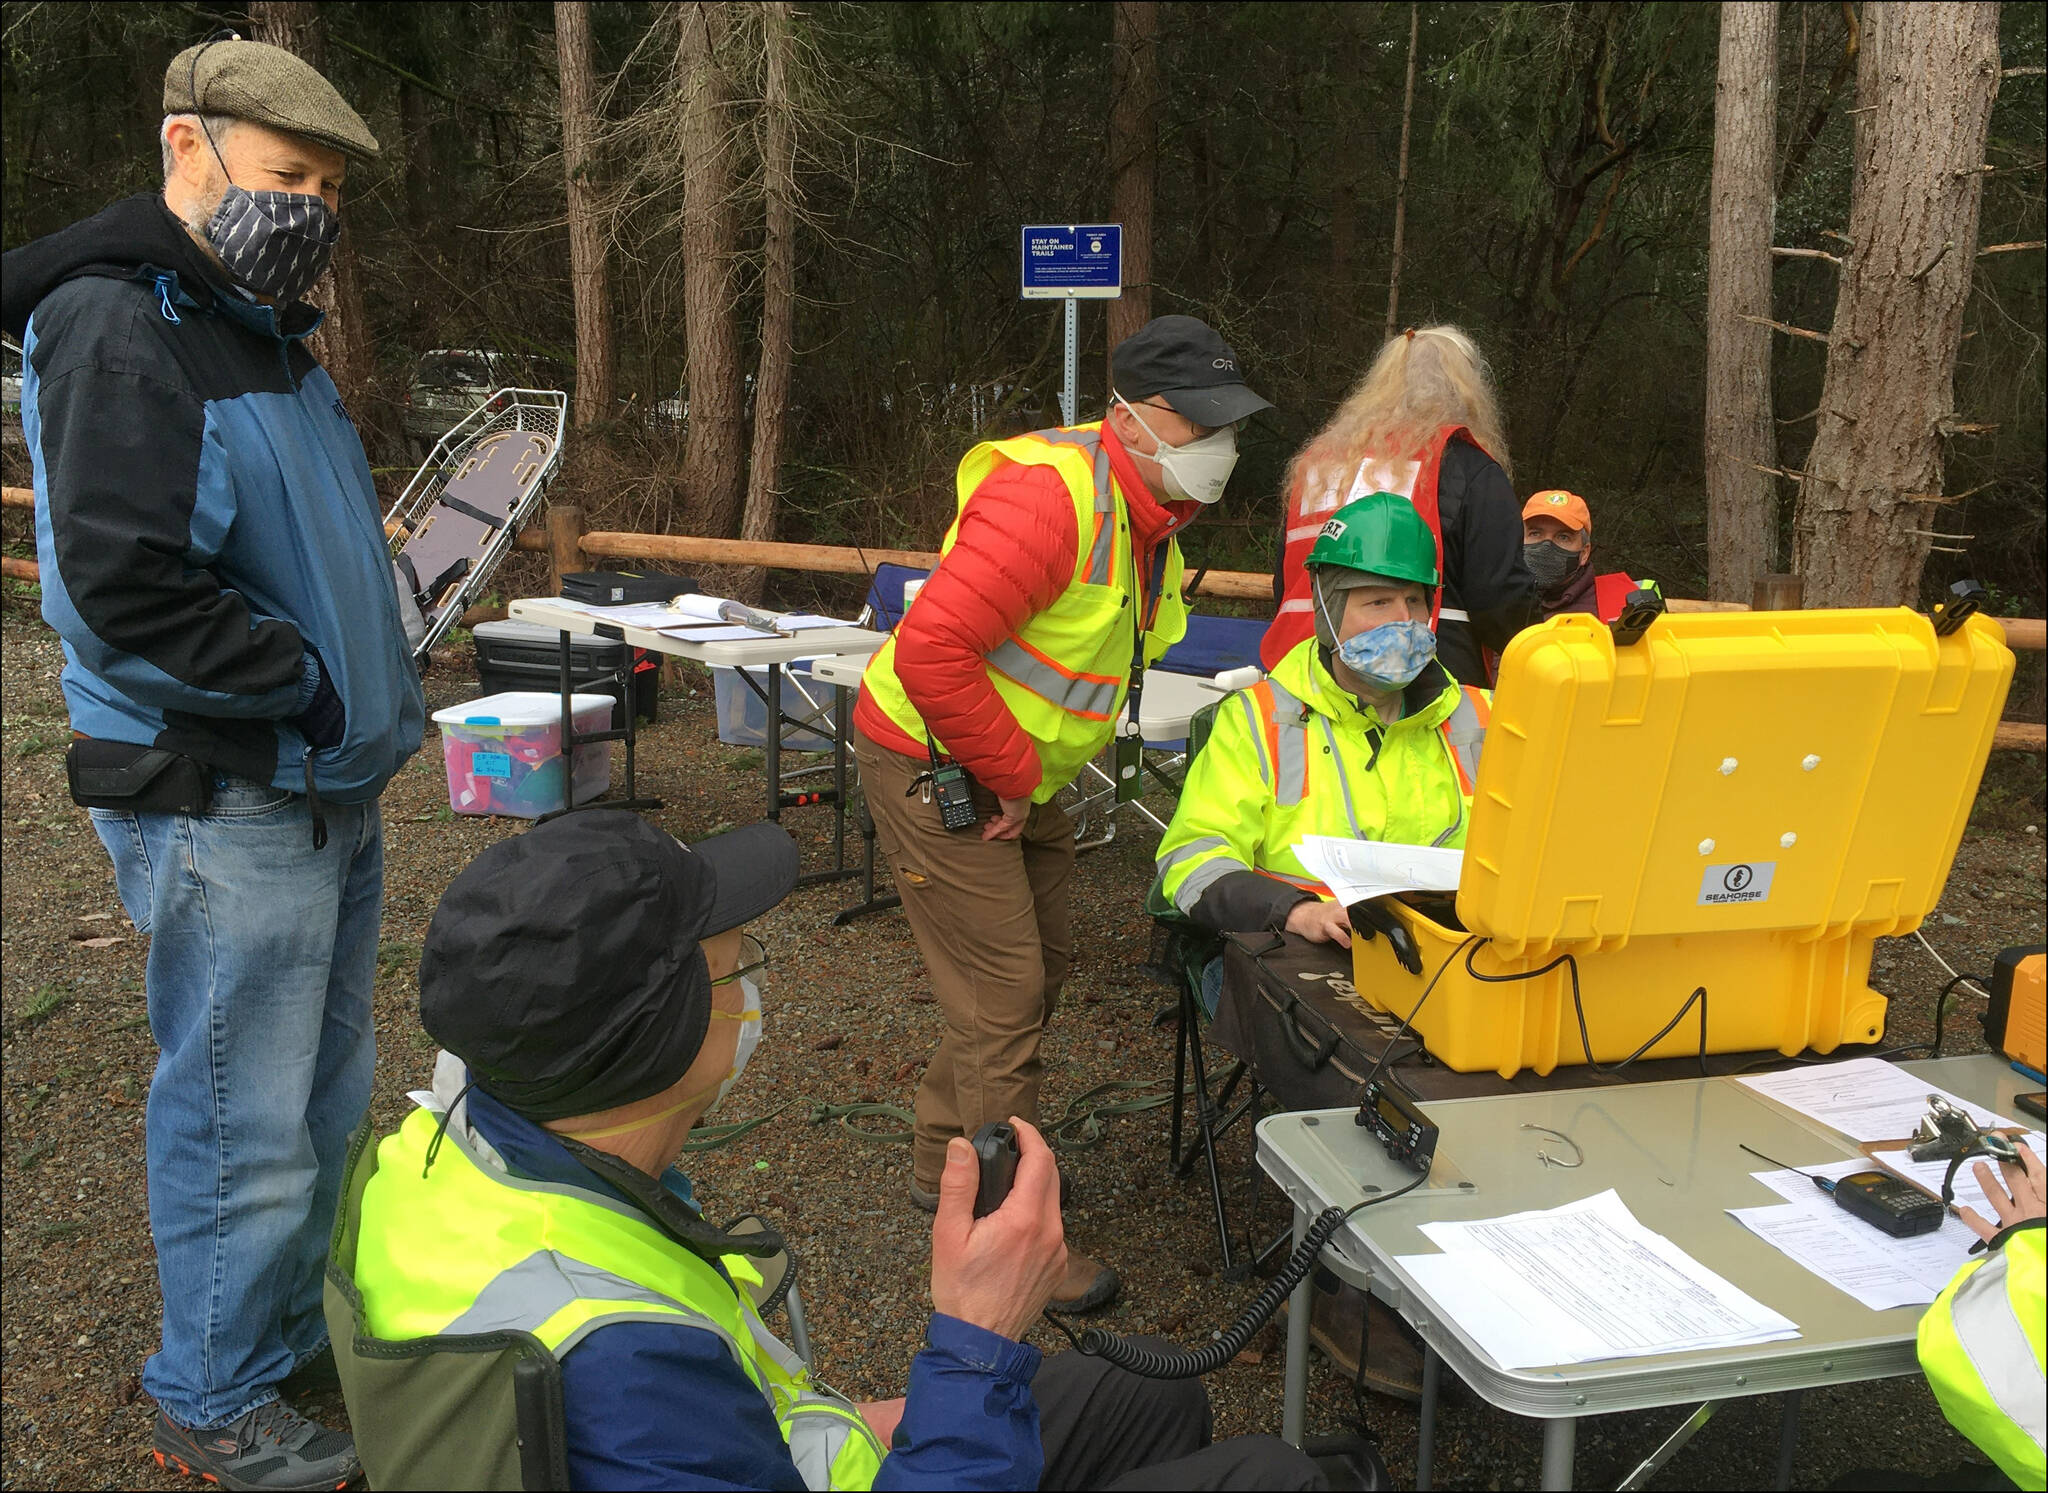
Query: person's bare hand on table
{"points": [[1010, 823], [2024, 1195], [1320, 921], [998, 1272]]}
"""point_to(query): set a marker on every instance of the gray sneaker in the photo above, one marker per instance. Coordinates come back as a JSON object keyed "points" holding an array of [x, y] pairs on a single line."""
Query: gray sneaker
{"points": [[271, 1448]]}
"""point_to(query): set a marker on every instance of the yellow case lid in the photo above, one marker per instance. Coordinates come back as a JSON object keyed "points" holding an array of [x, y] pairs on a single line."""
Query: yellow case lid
{"points": [[1809, 771]]}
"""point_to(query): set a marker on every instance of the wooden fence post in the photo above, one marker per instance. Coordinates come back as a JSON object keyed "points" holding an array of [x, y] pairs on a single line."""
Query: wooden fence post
{"points": [[565, 540], [1777, 593]]}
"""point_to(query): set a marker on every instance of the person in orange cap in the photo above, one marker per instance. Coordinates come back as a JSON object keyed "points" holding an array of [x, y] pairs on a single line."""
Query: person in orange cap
{"points": [[1557, 546]]}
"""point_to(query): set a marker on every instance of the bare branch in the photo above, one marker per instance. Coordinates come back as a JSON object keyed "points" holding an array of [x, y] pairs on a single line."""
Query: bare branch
{"points": [[1805, 254], [2032, 243], [1779, 326]]}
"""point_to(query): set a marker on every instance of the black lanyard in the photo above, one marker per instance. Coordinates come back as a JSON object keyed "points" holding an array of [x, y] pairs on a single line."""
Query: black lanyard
{"points": [[1142, 618]]}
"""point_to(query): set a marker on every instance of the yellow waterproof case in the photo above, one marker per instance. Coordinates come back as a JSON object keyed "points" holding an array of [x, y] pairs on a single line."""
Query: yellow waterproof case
{"points": [[1737, 801]]}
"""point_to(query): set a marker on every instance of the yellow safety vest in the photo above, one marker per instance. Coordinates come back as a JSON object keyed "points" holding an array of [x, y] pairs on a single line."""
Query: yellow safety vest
{"points": [[1981, 1346], [468, 1251], [1065, 672], [1295, 755]]}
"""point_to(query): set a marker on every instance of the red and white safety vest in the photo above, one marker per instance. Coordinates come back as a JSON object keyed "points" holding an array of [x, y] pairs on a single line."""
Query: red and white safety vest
{"points": [[1318, 492]]}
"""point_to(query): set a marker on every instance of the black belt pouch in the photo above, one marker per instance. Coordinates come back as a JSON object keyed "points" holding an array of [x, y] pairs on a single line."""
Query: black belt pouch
{"points": [[136, 779]]}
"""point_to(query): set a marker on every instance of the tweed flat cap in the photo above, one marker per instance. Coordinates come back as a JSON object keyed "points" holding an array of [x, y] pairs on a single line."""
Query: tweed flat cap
{"points": [[266, 85]]}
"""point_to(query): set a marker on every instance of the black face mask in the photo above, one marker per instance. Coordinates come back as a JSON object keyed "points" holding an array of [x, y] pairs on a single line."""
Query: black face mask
{"points": [[1552, 564]]}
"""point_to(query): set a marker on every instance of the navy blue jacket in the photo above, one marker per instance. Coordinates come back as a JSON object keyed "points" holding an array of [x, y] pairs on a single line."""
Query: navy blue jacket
{"points": [[650, 1405], [207, 529]]}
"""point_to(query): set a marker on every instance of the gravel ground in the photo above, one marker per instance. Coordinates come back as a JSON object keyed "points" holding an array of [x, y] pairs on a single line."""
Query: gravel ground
{"points": [[847, 1023]]}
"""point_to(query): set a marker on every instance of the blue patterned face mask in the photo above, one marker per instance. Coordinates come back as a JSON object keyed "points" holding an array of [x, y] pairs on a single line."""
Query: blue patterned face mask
{"points": [[1388, 657]]}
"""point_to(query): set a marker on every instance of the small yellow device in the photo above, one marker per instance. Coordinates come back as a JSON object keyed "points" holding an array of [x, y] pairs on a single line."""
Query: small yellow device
{"points": [[2015, 1023], [1740, 801]]}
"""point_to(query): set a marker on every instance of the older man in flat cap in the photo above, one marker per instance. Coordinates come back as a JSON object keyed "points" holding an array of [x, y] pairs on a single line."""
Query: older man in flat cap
{"points": [[240, 691]]}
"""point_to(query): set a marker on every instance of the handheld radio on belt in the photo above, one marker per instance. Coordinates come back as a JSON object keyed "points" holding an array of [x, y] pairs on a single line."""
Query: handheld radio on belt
{"points": [[954, 791]]}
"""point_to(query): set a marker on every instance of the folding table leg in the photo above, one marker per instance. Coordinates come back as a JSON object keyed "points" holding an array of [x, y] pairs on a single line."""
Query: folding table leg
{"points": [[839, 730], [1425, 1435], [1788, 1436], [1294, 1395], [1560, 1442], [771, 742], [869, 902]]}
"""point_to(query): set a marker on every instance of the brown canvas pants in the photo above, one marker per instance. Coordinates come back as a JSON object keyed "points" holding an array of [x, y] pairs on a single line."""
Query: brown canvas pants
{"points": [[990, 918]]}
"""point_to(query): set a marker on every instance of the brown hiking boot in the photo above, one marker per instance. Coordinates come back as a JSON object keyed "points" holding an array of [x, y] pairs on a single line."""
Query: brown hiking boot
{"points": [[1089, 1286]]}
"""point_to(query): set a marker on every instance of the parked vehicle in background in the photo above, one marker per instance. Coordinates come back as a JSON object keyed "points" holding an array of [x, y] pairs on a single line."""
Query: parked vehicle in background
{"points": [[447, 385]]}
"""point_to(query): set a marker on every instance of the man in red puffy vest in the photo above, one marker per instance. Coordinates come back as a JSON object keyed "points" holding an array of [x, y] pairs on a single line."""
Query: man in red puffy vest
{"points": [[1012, 665]]}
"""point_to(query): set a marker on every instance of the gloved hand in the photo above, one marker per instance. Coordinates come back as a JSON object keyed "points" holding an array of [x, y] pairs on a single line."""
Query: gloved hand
{"points": [[323, 721], [1373, 916]]}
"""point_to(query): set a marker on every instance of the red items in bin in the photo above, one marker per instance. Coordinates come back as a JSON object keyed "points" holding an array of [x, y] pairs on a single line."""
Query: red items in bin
{"points": [[504, 752]]}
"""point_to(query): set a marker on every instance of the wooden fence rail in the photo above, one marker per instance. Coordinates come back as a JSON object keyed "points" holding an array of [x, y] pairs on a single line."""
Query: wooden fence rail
{"points": [[564, 540]]}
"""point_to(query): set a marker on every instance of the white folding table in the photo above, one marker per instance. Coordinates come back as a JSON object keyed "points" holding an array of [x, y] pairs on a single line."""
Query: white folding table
{"points": [[742, 654], [1672, 1152]]}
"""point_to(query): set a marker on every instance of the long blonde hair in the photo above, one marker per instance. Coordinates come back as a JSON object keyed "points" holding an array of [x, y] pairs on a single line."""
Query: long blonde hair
{"points": [[1421, 381]]}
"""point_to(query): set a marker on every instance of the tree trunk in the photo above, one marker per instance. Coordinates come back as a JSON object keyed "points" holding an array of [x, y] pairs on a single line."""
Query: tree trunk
{"points": [[587, 272], [715, 444], [1926, 77], [1401, 181], [778, 285], [1742, 499], [1134, 155], [343, 342]]}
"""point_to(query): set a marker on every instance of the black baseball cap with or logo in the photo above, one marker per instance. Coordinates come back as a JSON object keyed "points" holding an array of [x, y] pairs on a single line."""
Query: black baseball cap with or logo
{"points": [[563, 965], [1187, 364]]}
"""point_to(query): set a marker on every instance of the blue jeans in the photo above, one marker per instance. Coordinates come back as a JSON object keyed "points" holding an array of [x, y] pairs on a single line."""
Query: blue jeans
{"points": [[262, 959]]}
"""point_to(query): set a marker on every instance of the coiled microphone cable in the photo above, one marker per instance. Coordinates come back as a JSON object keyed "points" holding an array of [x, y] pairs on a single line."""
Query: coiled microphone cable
{"points": [[1150, 1363]]}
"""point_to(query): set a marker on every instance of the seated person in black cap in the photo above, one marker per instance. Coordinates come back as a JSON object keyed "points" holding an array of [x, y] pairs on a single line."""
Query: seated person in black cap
{"points": [[522, 1292]]}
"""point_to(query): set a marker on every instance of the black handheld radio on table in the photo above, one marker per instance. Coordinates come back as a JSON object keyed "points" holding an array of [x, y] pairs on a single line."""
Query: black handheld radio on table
{"points": [[1887, 1203]]}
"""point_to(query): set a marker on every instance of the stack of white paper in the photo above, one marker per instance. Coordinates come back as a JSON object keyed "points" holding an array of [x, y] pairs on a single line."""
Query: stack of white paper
{"points": [[1582, 1282], [1864, 1098], [1847, 1253], [1354, 870]]}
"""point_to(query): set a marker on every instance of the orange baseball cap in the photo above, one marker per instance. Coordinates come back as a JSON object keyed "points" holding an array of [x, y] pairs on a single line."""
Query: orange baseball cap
{"points": [[1568, 508]]}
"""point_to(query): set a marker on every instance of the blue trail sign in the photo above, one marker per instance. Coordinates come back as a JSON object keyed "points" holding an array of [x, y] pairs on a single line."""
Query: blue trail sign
{"points": [[1068, 260]]}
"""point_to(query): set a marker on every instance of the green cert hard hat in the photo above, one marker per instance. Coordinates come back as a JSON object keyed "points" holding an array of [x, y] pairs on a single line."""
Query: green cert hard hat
{"points": [[1381, 534]]}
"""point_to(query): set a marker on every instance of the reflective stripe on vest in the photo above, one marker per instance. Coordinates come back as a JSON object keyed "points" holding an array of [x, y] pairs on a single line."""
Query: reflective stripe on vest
{"points": [[1064, 673], [467, 1249], [1093, 696], [1982, 1347], [1465, 734], [1281, 723]]}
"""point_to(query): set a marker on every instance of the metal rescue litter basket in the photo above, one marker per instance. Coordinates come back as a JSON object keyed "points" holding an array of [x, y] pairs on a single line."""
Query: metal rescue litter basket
{"points": [[1736, 801], [461, 513]]}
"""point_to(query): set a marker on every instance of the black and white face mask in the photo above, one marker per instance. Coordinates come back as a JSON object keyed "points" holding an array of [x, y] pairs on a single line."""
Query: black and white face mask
{"points": [[274, 243]]}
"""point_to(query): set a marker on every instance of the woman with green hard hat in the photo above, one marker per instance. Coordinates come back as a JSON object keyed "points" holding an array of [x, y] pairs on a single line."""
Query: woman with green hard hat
{"points": [[1358, 732]]}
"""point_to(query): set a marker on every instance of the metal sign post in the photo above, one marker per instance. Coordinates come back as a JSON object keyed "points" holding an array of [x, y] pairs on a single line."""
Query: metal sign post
{"points": [[1071, 262]]}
